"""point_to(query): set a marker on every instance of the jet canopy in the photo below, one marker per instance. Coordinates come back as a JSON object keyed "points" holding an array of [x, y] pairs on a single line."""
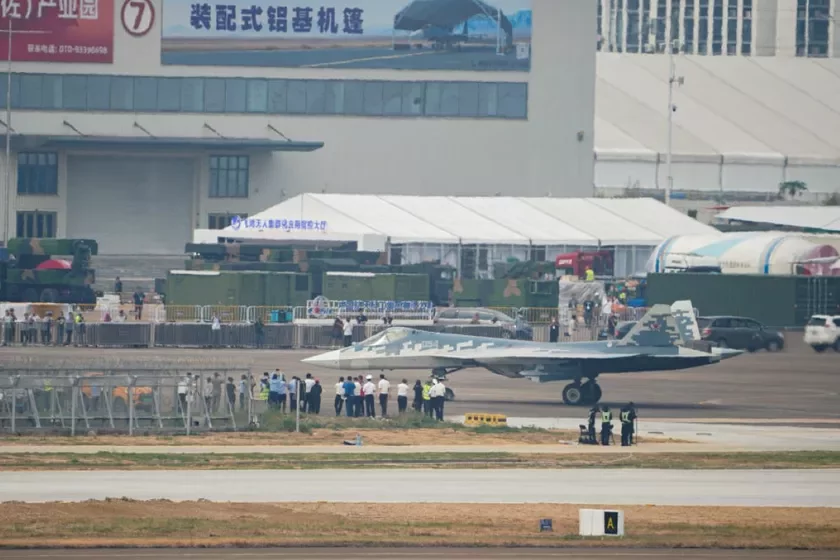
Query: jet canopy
{"points": [[387, 336]]}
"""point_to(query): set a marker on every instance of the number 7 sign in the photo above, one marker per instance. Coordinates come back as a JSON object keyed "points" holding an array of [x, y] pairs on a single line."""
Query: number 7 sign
{"points": [[138, 17]]}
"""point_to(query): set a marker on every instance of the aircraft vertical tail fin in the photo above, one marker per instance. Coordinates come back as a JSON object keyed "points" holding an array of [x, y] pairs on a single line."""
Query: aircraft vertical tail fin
{"points": [[664, 325]]}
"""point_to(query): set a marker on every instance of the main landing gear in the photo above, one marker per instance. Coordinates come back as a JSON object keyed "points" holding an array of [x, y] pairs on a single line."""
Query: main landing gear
{"points": [[582, 394]]}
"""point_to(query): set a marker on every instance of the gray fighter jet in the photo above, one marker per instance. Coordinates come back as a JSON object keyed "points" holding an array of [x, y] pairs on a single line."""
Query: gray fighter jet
{"points": [[665, 339]]}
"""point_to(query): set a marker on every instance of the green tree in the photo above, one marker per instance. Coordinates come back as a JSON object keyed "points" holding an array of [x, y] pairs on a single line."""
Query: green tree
{"points": [[792, 189]]}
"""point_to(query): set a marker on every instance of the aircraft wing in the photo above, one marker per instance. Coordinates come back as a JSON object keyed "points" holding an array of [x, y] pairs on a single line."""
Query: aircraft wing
{"points": [[526, 355]]}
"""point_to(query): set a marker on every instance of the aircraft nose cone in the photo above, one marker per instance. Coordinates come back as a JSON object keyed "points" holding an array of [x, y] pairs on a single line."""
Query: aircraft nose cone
{"points": [[326, 360]]}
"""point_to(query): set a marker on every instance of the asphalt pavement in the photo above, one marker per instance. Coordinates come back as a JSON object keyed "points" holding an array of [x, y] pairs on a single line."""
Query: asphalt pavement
{"points": [[415, 554], [797, 384], [749, 488]]}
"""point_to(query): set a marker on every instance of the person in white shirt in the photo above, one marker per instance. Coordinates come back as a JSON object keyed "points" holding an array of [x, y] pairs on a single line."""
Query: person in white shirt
{"points": [[438, 395], [384, 388], [216, 331], [120, 318], [348, 332], [402, 396], [370, 390], [358, 405], [183, 384], [339, 396], [308, 383]]}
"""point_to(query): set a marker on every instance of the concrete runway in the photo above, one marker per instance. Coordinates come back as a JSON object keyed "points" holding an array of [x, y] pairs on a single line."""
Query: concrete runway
{"points": [[477, 57], [416, 554], [797, 384], [749, 488]]}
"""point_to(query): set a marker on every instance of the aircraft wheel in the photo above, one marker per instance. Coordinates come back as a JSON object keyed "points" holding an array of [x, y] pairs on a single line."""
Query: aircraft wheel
{"points": [[450, 395], [574, 395], [591, 393]]}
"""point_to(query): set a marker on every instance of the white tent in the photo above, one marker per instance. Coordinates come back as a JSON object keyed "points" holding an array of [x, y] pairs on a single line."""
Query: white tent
{"points": [[436, 227]]}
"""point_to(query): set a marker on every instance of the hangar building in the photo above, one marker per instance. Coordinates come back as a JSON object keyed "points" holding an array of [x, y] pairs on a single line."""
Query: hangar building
{"points": [[169, 115]]}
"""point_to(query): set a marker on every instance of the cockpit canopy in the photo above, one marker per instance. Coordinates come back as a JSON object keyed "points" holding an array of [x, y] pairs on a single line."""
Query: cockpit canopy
{"points": [[388, 336]]}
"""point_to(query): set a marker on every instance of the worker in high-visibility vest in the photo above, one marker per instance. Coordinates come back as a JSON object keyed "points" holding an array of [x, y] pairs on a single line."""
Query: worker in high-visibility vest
{"points": [[427, 398], [589, 275], [606, 425]]}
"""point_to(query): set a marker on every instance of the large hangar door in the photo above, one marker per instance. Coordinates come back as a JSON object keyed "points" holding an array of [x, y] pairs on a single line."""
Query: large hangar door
{"points": [[131, 205]]}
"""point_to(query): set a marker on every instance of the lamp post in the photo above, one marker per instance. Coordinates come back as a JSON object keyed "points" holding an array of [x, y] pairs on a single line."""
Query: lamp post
{"points": [[673, 79], [8, 162]]}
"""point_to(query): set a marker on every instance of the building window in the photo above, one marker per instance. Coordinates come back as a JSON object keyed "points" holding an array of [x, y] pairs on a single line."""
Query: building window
{"points": [[229, 176], [221, 221], [150, 94], [37, 173], [36, 224]]}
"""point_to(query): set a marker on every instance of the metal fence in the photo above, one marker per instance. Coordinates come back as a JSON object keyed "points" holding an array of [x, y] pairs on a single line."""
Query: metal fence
{"points": [[123, 401], [247, 335]]}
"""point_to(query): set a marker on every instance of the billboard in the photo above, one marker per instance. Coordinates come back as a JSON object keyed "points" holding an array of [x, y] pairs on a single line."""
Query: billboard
{"points": [[57, 30], [461, 35]]}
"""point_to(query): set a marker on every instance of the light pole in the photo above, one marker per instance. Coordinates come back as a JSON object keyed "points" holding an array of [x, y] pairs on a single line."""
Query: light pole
{"points": [[8, 162], [672, 80]]}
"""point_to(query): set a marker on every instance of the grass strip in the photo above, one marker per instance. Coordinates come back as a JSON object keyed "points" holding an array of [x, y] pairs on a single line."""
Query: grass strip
{"points": [[217, 461], [161, 523]]}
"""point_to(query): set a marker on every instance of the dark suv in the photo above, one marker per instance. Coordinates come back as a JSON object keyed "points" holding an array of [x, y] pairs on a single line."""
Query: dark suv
{"points": [[741, 333]]}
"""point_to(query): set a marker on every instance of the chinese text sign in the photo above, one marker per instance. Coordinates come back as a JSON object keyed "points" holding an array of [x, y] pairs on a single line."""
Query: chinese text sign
{"points": [[58, 30], [384, 34]]}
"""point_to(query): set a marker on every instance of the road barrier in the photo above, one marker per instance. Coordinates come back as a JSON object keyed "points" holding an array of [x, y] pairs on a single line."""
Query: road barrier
{"points": [[481, 418]]}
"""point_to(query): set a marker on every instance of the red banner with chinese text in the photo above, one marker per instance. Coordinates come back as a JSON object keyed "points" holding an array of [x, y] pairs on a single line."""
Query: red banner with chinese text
{"points": [[58, 30]]}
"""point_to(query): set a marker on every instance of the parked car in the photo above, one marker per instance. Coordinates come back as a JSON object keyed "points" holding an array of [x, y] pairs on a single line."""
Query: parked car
{"points": [[517, 328], [823, 332], [742, 333], [621, 330]]}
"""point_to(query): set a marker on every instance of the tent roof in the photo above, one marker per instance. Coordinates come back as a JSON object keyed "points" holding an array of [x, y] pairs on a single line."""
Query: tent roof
{"points": [[475, 220], [807, 217], [440, 13], [731, 106]]}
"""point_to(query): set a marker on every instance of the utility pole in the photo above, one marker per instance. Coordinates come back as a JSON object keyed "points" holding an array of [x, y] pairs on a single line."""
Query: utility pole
{"points": [[8, 161]]}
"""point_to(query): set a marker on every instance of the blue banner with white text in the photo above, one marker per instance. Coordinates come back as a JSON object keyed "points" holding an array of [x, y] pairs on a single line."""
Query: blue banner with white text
{"points": [[492, 35]]}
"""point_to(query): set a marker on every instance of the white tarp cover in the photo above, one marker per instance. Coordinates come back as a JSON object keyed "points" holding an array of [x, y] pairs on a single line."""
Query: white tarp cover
{"points": [[811, 217], [468, 220]]}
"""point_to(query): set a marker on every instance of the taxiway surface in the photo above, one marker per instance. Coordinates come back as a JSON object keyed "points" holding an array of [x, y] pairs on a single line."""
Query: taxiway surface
{"points": [[796, 384], [416, 554], [749, 488]]}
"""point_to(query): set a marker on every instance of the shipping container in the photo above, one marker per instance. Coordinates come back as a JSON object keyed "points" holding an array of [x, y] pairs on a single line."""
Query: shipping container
{"points": [[368, 286], [248, 288], [781, 301]]}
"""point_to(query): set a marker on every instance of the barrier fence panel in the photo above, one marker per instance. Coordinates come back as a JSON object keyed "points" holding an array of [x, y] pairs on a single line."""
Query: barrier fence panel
{"points": [[77, 401]]}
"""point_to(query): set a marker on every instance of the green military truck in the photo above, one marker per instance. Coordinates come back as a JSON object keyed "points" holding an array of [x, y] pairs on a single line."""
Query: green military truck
{"points": [[31, 271]]}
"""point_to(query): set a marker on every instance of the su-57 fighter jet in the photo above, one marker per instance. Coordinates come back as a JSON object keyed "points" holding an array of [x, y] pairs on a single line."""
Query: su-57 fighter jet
{"points": [[667, 338]]}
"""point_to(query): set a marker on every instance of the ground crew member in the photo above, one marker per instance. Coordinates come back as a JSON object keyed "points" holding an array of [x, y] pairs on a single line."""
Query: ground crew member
{"points": [[589, 275], [632, 409], [606, 425], [626, 426], [427, 398], [339, 396], [593, 412]]}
